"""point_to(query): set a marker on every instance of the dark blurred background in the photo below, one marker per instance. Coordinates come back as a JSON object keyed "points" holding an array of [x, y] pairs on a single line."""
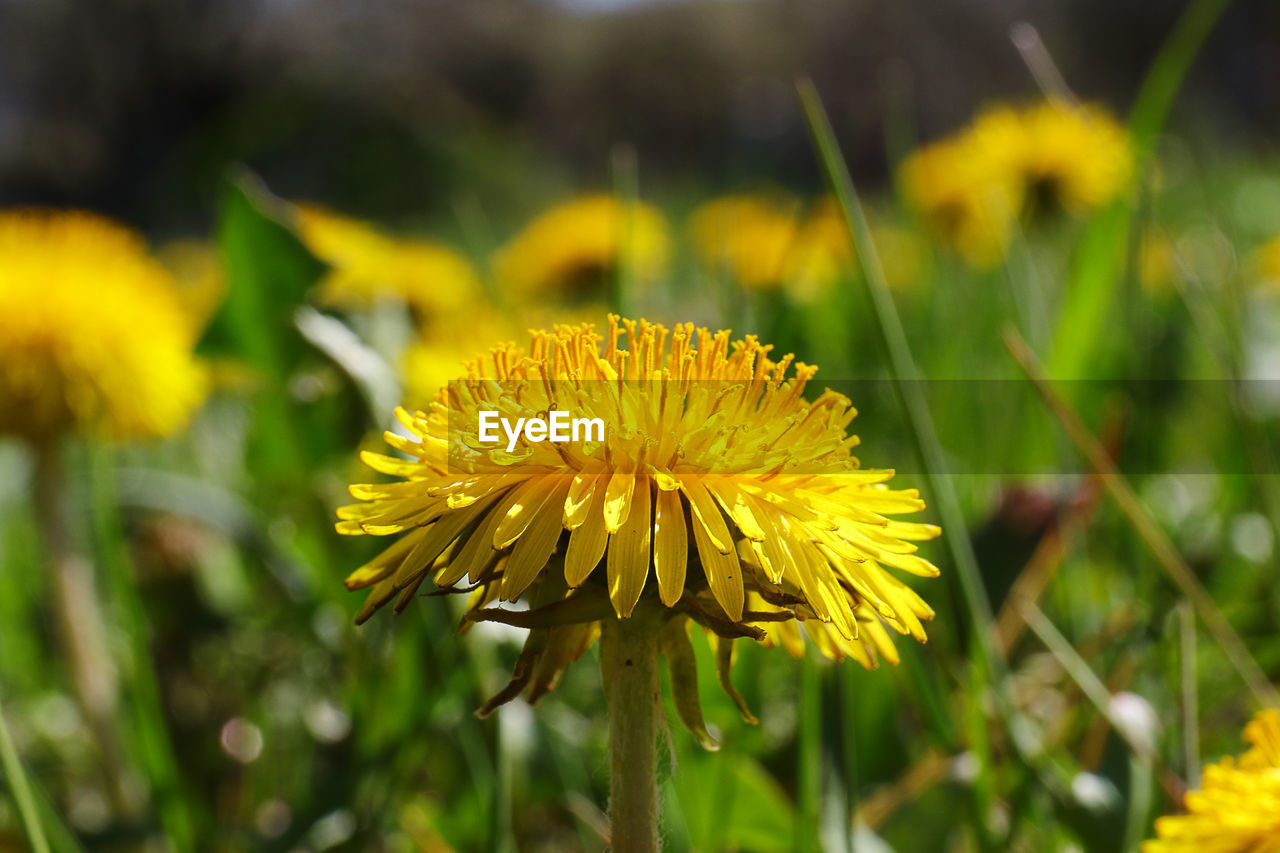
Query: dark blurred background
{"points": [[390, 108]]}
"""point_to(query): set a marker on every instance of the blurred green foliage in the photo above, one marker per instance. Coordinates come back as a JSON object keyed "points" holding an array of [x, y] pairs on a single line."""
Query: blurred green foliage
{"points": [[257, 717]]}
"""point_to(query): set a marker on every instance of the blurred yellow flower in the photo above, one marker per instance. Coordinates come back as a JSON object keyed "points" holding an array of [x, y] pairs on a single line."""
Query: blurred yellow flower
{"points": [[574, 249], [438, 355], [824, 253], [1267, 263], [367, 265], [821, 252], [971, 186], [1061, 157], [748, 238], [711, 457], [962, 198], [1237, 809], [93, 335]]}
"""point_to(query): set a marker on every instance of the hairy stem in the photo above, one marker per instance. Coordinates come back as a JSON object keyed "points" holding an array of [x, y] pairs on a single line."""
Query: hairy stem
{"points": [[629, 666]]}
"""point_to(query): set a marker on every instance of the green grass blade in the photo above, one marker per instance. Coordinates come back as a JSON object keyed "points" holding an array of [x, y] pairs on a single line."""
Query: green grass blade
{"points": [[903, 368], [1142, 760], [21, 789], [1088, 300], [151, 744], [1078, 670], [849, 697], [1190, 705], [1148, 530], [809, 771], [269, 273], [991, 665]]}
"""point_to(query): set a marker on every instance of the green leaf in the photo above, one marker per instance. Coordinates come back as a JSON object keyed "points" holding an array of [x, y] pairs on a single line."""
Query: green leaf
{"points": [[1082, 322], [730, 802], [269, 272]]}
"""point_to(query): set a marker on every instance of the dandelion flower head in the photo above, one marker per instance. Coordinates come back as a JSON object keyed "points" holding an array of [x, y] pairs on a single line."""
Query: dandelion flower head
{"points": [[718, 494], [749, 238], [1061, 157], [93, 335], [961, 198], [1267, 263], [367, 265], [572, 250], [1237, 809]]}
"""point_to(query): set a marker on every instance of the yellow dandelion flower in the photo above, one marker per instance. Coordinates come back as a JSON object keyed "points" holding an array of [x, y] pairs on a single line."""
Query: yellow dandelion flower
{"points": [[1077, 157], [367, 265], [716, 494], [821, 254], [1059, 156], [1267, 263], [748, 238], [93, 336], [572, 250], [1237, 809], [961, 198]]}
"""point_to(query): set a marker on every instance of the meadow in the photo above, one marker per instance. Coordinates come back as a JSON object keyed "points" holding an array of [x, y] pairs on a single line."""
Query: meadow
{"points": [[1059, 323]]}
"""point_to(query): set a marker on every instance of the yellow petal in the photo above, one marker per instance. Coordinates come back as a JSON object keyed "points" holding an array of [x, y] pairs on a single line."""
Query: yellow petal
{"points": [[385, 563], [912, 530], [891, 502], [587, 543], [439, 536], [407, 446], [825, 588], [724, 575], [578, 501], [387, 491], [534, 548], [707, 514], [911, 564], [738, 506], [628, 558], [377, 597], [617, 500], [407, 594], [475, 555], [665, 481], [383, 464], [873, 629], [670, 547], [530, 498]]}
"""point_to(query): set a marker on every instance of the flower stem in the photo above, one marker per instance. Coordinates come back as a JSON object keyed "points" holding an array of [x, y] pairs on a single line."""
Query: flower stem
{"points": [[629, 666], [81, 625]]}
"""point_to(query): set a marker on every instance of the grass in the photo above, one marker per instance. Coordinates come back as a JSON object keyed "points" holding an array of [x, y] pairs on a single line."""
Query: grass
{"points": [[16, 778], [220, 572]]}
